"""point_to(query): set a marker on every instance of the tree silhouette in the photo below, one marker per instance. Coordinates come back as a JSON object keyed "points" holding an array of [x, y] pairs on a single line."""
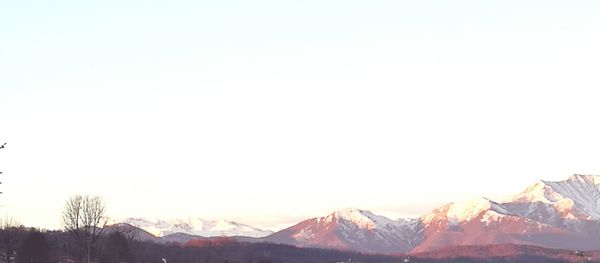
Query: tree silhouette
{"points": [[34, 249], [85, 219], [117, 248], [10, 233]]}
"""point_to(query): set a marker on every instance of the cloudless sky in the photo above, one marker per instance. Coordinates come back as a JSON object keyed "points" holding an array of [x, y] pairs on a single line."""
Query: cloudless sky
{"points": [[268, 112]]}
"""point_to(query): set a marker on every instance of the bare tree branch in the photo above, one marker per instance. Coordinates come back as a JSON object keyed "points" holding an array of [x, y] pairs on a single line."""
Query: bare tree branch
{"points": [[84, 217], [125, 230]]}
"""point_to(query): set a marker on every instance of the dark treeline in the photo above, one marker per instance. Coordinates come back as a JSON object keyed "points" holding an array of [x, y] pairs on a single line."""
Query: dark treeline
{"points": [[29, 245], [35, 246]]}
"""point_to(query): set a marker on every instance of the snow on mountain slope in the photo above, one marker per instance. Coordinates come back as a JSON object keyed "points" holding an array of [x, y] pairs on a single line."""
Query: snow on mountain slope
{"points": [[362, 218], [577, 197], [562, 214], [458, 212], [546, 213], [555, 203], [196, 226], [353, 229]]}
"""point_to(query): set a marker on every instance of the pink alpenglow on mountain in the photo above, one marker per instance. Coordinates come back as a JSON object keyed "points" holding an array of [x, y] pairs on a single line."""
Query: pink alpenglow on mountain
{"points": [[353, 229], [563, 214]]}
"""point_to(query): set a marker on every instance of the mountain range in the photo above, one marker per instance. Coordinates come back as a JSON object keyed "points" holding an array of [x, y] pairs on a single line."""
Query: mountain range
{"points": [[196, 227], [562, 214]]}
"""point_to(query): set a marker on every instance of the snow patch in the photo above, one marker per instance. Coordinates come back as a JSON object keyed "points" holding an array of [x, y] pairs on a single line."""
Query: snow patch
{"points": [[196, 226]]}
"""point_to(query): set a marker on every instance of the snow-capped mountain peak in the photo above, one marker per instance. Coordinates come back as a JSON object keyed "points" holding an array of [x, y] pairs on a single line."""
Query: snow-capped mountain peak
{"points": [[353, 229], [587, 178], [464, 211], [578, 196], [196, 226], [538, 192], [548, 213], [361, 218], [467, 210]]}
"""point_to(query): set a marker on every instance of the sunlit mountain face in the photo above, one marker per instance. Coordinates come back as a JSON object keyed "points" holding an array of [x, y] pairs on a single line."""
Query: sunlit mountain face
{"points": [[563, 214]]}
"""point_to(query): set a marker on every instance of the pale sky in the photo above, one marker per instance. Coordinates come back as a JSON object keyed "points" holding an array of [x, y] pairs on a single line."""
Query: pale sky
{"points": [[269, 112]]}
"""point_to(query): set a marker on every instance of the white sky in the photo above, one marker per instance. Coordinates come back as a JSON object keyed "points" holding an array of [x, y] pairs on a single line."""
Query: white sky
{"points": [[277, 111]]}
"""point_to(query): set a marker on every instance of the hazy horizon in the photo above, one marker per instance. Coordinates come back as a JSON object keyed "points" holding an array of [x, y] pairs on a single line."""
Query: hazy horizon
{"points": [[271, 112]]}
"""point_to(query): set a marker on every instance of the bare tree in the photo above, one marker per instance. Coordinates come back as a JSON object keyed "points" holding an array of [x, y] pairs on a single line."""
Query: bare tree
{"points": [[126, 231], [9, 239], [84, 218]]}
